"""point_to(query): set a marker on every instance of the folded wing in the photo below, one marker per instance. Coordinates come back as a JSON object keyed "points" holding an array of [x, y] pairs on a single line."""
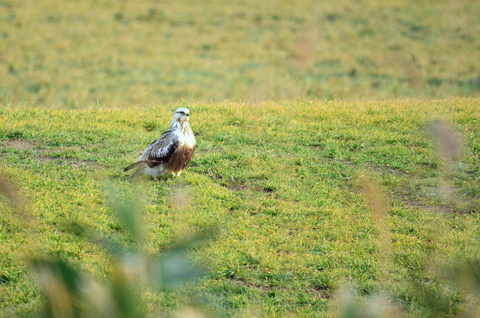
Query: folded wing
{"points": [[161, 150]]}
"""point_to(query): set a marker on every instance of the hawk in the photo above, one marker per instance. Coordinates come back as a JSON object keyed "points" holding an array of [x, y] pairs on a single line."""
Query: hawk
{"points": [[170, 153]]}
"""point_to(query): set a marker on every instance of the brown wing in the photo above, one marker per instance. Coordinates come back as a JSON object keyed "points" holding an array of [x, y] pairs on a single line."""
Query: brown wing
{"points": [[161, 150]]}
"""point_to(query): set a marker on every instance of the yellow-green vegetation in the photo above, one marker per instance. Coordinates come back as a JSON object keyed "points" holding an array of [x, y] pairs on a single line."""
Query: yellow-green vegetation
{"points": [[308, 197], [305, 197], [74, 54]]}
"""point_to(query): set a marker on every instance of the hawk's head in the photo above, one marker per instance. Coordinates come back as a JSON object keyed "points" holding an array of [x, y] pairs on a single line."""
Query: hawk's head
{"points": [[182, 114]]}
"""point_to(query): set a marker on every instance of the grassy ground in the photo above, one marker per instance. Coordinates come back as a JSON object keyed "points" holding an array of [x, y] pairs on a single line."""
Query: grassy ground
{"points": [[69, 54], [306, 197]]}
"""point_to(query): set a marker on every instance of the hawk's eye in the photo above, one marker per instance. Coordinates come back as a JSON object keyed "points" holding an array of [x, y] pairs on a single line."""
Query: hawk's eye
{"points": [[182, 113]]}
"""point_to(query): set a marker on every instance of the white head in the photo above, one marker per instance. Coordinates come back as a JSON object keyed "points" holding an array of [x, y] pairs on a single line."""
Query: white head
{"points": [[182, 114]]}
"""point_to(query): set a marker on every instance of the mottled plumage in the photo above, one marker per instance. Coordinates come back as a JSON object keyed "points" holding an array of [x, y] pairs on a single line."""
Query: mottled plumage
{"points": [[170, 153]]}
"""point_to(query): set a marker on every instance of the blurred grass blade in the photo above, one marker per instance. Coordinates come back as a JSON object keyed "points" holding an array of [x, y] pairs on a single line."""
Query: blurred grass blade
{"points": [[115, 249], [101, 302], [448, 140], [378, 209], [172, 269], [12, 194], [61, 284], [125, 297], [347, 306], [129, 212], [467, 274]]}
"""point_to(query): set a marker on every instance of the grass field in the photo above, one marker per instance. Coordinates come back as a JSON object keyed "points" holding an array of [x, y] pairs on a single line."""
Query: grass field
{"points": [[337, 171], [121, 53], [303, 197]]}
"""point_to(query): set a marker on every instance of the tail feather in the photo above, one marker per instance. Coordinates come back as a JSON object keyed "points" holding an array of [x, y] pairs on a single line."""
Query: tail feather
{"points": [[133, 165]]}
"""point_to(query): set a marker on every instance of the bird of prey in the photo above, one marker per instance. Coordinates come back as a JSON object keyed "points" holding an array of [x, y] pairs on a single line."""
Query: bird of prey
{"points": [[170, 153]]}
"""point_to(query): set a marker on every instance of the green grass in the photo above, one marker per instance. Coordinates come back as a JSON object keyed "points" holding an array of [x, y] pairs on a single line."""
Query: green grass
{"points": [[69, 54], [294, 190], [307, 198]]}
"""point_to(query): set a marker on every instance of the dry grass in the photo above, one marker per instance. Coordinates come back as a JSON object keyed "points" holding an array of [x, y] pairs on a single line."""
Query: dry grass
{"points": [[109, 53]]}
